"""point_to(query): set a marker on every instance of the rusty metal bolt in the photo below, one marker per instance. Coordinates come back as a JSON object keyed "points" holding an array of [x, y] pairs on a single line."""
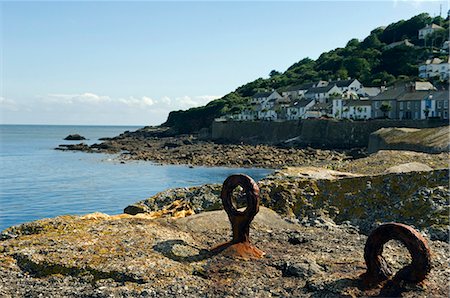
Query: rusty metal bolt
{"points": [[377, 268], [240, 220]]}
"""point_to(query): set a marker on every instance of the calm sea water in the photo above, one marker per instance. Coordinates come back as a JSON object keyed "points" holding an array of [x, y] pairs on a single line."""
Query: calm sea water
{"points": [[37, 181]]}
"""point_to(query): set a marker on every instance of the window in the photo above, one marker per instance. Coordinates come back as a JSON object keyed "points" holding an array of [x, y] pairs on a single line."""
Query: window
{"points": [[446, 104], [439, 104], [445, 114], [416, 115], [408, 105], [401, 115], [377, 104], [401, 105]]}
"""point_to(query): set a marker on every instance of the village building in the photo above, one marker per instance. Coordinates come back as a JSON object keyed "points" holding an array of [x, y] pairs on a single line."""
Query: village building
{"points": [[357, 109], [322, 94], [434, 68], [405, 42], [347, 85], [298, 91], [298, 108], [428, 29]]}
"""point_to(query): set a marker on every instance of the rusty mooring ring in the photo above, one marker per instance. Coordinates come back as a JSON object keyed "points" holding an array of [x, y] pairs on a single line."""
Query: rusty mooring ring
{"points": [[240, 220], [240, 245], [377, 268]]}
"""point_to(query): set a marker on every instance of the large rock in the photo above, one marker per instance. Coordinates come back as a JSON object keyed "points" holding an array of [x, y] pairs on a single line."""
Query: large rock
{"points": [[429, 140], [74, 137], [315, 196], [136, 256]]}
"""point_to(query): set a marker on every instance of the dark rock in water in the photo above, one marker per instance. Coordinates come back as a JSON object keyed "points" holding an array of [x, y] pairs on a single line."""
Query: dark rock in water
{"points": [[76, 147], [74, 137]]}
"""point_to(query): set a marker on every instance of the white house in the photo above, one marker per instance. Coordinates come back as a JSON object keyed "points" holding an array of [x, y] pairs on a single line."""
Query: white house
{"points": [[347, 85], [357, 109], [298, 91], [322, 94], [297, 110], [369, 92], [261, 97], [428, 29], [434, 68]]}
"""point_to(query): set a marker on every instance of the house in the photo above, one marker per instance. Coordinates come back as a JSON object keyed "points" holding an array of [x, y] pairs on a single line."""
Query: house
{"points": [[298, 91], [247, 114], [357, 109], [368, 92], [387, 99], [441, 102], [351, 108], [435, 68], [347, 85], [298, 108], [409, 104], [405, 42], [322, 94], [261, 97], [428, 29], [423, 104], [320, 109]]}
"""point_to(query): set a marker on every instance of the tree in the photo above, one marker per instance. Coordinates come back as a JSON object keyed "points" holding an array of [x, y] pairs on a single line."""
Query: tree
{"points": [[385, 108], [274, 73]]}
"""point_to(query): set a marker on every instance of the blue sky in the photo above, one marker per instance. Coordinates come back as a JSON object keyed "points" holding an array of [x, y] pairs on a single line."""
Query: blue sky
{"points": [[130, 63]]}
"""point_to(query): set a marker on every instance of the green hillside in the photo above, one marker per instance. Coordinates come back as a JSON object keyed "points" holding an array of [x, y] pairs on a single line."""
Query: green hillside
{"points": [[369, 60]]}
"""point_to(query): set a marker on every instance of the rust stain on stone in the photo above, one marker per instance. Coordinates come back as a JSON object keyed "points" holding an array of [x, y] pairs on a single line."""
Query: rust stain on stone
{"points": [[377, 267], [240, 245]]}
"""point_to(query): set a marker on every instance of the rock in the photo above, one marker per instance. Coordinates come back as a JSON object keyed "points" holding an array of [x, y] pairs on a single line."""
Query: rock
{"points": [[430, 140], [74, 137], [409, 167], [304, 269]]}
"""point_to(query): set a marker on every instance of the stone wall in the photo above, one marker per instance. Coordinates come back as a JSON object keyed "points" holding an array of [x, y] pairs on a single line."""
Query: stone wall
{"points": [[311, 132]]}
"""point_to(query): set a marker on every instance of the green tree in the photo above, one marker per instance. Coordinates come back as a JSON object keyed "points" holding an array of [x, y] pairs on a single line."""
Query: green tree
{"points": [[385, 108]]}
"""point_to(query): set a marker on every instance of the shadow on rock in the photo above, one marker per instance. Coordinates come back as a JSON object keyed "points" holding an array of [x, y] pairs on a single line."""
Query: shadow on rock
{"points": [[329, 289], [180, 251]]}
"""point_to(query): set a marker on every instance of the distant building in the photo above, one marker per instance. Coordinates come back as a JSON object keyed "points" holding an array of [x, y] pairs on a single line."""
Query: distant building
{"points": [[428, 29], [347, 85], [298, 108], [434, 68], [405, 42], [357, 109], [322, 94], [368, 92], [298, 91]]}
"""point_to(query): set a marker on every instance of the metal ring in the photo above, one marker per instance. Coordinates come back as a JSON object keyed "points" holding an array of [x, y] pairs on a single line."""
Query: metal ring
{"points": [[377, 268], [252, 195]]}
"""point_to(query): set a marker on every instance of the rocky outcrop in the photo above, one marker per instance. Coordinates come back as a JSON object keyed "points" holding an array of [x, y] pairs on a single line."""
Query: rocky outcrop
{"points": [[74, 137], [308, 194], [138, 256], [429, 140]]}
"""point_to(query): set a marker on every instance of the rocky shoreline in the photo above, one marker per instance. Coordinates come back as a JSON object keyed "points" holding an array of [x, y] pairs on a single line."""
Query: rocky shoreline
{"points": [[161, 146]]}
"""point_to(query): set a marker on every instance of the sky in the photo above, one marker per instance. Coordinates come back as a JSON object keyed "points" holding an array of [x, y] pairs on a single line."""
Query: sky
{"points": [[131, 63]]}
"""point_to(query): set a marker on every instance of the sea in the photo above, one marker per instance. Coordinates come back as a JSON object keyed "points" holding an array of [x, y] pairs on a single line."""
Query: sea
{"points": [[38, 182]]}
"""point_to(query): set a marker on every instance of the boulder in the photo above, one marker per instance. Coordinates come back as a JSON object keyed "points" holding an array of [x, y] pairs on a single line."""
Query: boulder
{"points": [[74, 137]]}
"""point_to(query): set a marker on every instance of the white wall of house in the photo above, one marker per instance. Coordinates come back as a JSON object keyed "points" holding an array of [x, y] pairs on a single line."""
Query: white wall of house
{"points": [[337, 108], [357, 112], [355, 86], [267, 115]]}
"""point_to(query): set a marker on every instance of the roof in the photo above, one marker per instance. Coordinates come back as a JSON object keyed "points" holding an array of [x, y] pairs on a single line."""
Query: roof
{"points": [[262, 94], [322, 106], [301, 103], [432, 26], [405, 42], [434, 61], [390, 94], [397, 91], [320, 89], [370, 91], [342, 83], [305, 86], [420, 95]]}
